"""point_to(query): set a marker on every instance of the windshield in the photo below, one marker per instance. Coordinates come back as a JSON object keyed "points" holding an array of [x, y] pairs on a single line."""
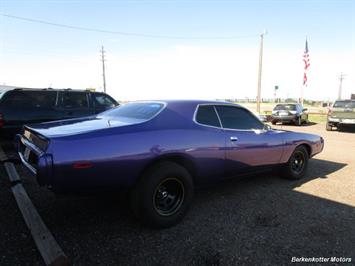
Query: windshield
{"points": [[344, 104], [288, 107], [139, 111]]}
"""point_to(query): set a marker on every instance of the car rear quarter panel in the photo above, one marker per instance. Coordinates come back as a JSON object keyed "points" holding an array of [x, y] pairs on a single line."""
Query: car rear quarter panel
{"points": [[119, 159]]}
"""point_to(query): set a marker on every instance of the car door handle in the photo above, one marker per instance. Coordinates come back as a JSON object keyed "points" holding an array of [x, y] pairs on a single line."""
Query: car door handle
{"points": [[233, 138]]}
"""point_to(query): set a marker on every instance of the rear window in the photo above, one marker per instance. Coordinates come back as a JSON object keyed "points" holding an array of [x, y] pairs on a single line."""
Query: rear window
{"points": [[288, 107], [140, 111], [344, 104], [39, 99]]}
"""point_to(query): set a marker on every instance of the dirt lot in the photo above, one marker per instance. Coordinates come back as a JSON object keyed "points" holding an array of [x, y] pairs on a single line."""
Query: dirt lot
{"points": [[262, 220]]}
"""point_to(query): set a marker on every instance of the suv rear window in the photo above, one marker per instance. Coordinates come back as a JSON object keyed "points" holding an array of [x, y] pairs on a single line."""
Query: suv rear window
{"points": [[39, 99]]}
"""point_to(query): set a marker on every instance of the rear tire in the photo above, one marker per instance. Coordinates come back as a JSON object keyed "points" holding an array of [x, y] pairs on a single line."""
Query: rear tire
{"points": [[296, 166], [163, 195]]}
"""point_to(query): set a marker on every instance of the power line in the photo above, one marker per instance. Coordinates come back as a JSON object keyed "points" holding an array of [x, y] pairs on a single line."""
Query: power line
{"points": [[129, 34]]}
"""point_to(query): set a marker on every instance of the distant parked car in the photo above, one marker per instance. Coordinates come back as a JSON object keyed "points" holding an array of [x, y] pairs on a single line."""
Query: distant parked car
{"points": [[160, 151], [290, 113], [340, 114], [27, 106]]}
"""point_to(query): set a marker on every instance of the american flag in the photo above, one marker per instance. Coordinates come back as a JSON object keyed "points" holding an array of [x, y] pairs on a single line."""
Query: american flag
{"points": [[306, 64]]}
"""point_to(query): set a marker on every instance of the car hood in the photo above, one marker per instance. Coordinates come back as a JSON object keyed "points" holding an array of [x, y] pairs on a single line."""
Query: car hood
{"points": [[79, 125]]}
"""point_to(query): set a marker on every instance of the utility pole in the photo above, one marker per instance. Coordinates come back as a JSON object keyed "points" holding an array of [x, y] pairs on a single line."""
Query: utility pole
{"points": [[341, 78], [103, 67], [258, 97]]}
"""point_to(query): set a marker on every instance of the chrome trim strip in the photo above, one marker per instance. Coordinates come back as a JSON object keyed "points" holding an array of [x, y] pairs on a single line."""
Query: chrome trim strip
{"points": [[30, 167], [219, 119], [31, 146]]}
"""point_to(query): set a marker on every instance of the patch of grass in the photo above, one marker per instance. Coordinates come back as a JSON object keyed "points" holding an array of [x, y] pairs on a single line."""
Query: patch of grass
{"points": [[317, 118]]}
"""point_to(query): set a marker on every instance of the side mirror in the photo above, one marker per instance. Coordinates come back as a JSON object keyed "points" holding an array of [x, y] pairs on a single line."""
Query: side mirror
{"points": [[267, 127]]}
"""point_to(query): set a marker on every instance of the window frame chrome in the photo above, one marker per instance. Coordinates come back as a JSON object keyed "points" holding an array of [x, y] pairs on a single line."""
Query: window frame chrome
{"points": [[220, 121]]}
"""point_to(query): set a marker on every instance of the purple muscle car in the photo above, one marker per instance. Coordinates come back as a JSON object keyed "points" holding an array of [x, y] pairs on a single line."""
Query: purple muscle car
{"points": [[160, 151]]}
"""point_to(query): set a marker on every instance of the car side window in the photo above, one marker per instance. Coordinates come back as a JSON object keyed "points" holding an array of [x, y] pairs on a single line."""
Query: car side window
{"points": [[238, 118], [38, 99], [104, 101], [73, 99], [206, 115]]}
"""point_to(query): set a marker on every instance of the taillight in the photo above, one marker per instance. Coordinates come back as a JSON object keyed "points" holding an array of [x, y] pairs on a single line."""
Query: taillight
{"points": [[2, 122]]}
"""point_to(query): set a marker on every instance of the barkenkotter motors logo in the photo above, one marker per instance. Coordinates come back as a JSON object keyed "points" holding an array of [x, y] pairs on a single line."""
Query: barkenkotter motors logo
{"points": [[320, 259]]}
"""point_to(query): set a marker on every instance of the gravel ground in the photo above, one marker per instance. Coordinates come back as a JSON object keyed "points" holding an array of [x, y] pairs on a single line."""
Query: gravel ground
{"points": [[262, 220]]}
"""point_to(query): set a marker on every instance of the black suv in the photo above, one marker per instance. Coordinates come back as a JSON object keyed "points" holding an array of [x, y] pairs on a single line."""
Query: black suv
{"points": [[25, 106]]}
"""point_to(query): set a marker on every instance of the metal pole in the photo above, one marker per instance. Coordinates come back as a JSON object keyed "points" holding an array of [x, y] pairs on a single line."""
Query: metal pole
{"points": [[258, 97], [103, 67], [341, 78]]}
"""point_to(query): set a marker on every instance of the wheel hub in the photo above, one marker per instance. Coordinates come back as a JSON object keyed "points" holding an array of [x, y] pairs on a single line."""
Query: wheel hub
{"points": [[168, 196]]}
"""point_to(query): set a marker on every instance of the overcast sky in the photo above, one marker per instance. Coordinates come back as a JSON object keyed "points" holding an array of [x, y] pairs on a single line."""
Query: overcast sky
{"points": [[210, 50]]}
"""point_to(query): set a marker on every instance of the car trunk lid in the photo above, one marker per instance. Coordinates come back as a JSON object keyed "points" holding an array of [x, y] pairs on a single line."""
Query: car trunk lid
{"points": [[78, 126]]}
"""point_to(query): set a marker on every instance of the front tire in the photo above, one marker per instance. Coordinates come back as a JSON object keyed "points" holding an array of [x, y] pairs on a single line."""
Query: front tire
{"points": [[163, 195], [296, 166]]}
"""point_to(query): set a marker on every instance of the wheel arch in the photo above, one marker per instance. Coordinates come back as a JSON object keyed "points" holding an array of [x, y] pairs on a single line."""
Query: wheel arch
{"points": [[307, 147], [181, 159]]}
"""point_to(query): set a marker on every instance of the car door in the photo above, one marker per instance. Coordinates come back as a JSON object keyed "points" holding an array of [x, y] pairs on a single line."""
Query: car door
{"points": [[74, 104], [208, 144], [248, 143]]}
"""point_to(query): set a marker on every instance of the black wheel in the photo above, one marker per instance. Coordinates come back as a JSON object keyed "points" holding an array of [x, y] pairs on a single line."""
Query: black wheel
{"points": [[163, 195], [296, 166], [298, 121], [328, 127]]}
